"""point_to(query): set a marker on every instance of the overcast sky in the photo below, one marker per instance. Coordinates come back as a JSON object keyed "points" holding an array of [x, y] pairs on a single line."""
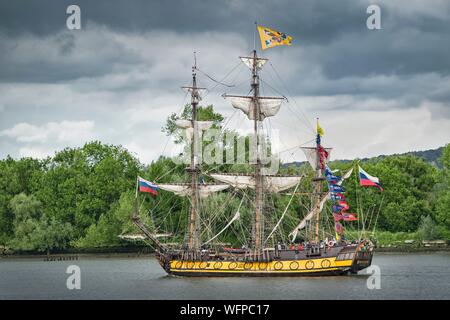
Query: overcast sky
{"points": [[118, 78]]}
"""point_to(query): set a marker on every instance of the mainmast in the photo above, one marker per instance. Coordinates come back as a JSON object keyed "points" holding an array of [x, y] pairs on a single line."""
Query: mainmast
{"points": [[257, 108]]}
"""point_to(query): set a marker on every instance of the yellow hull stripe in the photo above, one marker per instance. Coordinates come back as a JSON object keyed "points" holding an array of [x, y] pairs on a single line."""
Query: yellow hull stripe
{"points": [[301, 266]]}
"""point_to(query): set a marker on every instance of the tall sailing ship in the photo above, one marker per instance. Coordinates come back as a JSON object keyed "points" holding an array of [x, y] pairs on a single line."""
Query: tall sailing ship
{"points": [[307, 252]]}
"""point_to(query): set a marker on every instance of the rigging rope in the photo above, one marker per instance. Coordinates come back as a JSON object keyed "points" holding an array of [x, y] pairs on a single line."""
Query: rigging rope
{"points": [[284, 213], [308, 123], [236, 216], [214, 80]]}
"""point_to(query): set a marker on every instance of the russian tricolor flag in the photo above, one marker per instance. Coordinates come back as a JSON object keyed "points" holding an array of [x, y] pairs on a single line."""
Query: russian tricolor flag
{"points": [[367, 180], [147, 186]]}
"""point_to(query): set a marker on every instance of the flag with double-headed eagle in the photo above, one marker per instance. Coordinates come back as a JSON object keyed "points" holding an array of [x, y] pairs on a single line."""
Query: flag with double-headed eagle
{"points": [[271, 38]]}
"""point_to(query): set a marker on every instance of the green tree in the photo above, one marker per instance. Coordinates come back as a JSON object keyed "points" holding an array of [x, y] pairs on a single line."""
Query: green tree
{"points": [[16, 176], [428, 229], [443, 190], [33, 230]]}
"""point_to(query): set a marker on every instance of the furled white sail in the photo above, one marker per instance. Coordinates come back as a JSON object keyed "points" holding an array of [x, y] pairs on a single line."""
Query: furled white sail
{"points": [[272, 184], [276, 184], [248, 61], [311, 155], [237, 181], [178, 189], [207, 189], [267, 107], [184, 189], [316, 210], [201, 125], [187, 125]]}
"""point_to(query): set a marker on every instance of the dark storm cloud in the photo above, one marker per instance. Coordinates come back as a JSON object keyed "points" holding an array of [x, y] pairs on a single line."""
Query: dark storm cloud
{"points": [[316, 21], [334, 33]]}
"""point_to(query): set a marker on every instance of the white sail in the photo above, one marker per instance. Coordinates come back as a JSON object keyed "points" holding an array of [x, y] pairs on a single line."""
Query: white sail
{"points": [[316, 210], [272, 184], [187, 125], [183, 124], [178, 189], [237, 181], [345, 176], [311, 155], [201, 125], [267, 107], [204, 190], [248, 61], [277, 184]]}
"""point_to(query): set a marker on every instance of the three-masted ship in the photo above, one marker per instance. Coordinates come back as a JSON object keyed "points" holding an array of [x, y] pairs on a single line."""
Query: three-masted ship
{"points": [[313, 256]]}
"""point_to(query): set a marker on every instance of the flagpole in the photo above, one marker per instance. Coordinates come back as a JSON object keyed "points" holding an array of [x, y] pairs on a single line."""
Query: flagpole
{"points": [[254, 35], [135, 214], [137, 186]]}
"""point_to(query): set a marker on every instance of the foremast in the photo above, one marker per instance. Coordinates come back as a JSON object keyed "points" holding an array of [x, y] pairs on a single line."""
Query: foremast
{"points": [[258, 176], [193, 224], [318, 188]]}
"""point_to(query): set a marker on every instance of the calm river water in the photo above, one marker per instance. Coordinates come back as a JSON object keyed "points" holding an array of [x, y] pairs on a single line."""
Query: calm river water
{"points": [[403, 276]]}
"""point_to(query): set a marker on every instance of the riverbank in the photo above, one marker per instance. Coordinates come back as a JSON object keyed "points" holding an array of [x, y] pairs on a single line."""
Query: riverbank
{"points": [[75, 253], [143, 252]]}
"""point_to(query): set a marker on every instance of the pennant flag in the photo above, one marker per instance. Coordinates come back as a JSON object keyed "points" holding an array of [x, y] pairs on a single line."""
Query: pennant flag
{"points": [[333, 179], [337, 208], [147, 186], [336, 196], [367, 180], [349, 216], [336, 188], [320, 131], [343, 204], [337, 217], [271, 38], [330, 176]]}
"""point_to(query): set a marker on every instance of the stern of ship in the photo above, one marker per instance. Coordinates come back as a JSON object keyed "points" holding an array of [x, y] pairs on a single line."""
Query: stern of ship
{"points": [[363, 256]]}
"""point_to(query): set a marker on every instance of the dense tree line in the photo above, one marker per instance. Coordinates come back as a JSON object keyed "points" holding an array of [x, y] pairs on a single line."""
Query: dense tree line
{"points": [[83, 197]]}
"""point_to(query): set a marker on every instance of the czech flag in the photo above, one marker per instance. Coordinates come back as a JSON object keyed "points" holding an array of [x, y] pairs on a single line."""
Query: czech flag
{"points": [[147, 186], [367, 180]]}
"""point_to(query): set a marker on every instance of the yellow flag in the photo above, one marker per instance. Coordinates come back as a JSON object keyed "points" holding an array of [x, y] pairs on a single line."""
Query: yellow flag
{"points": [[271, 38], [320, 131]]}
